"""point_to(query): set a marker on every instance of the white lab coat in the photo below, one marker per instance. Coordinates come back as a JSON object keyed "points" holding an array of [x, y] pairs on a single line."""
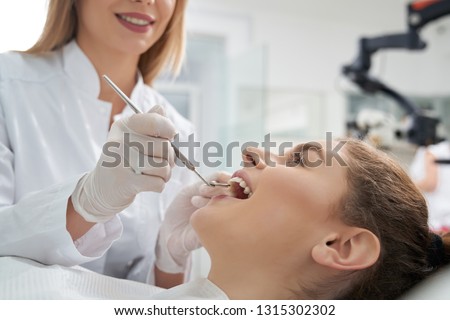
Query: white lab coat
{"points": [[25, 279], [52, 129]]}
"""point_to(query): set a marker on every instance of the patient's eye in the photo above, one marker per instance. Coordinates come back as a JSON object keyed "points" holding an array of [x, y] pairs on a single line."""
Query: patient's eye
{"points": [[296, 158], [305, 155]]}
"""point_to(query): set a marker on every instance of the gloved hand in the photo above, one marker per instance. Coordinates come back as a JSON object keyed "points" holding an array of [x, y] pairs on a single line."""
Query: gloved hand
{"points": [[176, 237], [137, 157]]}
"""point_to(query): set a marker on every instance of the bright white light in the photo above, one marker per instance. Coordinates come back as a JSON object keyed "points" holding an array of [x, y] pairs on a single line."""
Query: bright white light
{"points": [[21, 23]]}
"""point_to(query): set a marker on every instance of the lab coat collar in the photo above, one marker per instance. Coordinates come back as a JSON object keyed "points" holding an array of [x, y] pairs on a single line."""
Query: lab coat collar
{"points": [[80, 69]]}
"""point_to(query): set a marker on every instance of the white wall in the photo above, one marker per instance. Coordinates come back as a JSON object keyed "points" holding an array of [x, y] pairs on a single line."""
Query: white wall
{"points": [[21, 23], [309, 42]]}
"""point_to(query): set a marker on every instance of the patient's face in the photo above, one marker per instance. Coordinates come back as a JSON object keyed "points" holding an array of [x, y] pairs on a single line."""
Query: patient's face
{"points": [[291, 206]]}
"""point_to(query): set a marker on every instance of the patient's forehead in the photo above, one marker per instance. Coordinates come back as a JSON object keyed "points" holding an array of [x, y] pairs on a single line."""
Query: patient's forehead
{"points": [[326, 146]]}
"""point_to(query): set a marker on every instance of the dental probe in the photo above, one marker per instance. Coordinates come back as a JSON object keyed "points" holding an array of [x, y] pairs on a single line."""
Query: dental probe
{"points": [[178, 153]]}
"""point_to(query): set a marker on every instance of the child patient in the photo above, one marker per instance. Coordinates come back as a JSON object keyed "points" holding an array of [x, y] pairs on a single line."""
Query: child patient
{"points": [[319, 222], [316, 224]]}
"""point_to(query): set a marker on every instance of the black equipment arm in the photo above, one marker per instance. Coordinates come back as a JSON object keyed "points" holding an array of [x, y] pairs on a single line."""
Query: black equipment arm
{"points": [[423, 131]]}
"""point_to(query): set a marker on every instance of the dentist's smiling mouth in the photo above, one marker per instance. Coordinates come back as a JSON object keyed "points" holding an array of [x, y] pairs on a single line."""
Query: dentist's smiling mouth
{"points": [[137, 21]]}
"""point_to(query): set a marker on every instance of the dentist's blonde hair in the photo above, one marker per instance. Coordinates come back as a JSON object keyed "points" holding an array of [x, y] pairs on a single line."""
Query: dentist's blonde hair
{"points": [[168, 52]]}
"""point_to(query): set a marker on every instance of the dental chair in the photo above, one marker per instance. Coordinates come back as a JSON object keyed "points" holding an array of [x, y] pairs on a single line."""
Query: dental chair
{"points": [[436, 287]]}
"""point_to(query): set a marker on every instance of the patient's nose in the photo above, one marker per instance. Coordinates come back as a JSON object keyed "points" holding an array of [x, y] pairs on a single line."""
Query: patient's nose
{"points": [[254, 157]]}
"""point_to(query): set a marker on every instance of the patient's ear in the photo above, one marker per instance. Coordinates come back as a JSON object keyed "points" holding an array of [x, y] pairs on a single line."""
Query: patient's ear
{"points": [[355, 249]]}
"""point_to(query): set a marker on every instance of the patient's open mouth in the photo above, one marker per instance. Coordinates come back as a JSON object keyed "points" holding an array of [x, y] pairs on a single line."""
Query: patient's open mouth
{"points": [[239, 188]]}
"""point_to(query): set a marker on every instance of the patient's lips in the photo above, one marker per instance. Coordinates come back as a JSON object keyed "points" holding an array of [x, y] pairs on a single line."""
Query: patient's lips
{"points": [[239, 188]]}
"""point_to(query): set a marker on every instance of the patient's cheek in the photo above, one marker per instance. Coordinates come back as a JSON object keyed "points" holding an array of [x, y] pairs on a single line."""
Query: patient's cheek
{"points": [[195, 218], [202, 219]]}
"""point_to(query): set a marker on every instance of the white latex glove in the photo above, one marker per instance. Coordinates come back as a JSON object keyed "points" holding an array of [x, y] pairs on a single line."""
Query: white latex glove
{"points": [[176, 237], [137, 157]]}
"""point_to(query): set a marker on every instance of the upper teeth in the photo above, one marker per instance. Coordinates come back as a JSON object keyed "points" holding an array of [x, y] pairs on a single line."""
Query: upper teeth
{"points": [[242, 184], [139, 22]]}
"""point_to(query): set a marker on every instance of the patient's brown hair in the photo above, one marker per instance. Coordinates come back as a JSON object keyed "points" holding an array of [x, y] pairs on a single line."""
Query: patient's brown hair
{"points": [[383, 199]]}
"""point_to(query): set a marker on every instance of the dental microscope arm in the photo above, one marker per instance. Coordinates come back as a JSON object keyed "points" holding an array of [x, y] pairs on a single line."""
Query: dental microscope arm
{"points": [[420, 13]]}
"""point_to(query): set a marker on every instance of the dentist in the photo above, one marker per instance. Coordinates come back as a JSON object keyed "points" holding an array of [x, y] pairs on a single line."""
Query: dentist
{"points": [[59, 203]]}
